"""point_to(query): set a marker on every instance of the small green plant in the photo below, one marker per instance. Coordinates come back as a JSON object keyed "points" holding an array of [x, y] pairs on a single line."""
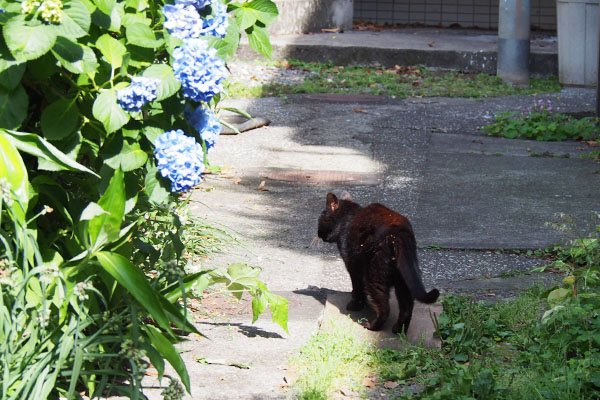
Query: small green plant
{"points": [[542, 121]]}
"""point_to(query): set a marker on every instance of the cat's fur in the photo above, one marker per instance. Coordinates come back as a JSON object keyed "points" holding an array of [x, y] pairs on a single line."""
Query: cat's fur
{"points": [[379, 249]]}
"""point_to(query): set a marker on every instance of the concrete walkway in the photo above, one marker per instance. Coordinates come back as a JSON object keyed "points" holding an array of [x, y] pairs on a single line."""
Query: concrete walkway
{"points": [[471, 199]]}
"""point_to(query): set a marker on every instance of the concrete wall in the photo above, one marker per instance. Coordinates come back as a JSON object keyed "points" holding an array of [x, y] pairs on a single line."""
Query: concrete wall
{"points": [[303, 16], [465, 13]]}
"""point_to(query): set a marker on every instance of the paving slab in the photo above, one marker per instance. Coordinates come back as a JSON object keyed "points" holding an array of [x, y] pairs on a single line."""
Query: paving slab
{"points": [[420, 331]]}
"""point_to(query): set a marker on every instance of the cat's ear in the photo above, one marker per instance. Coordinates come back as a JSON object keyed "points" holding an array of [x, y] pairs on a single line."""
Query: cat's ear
{"points": [[332, 203], [345, 196]]}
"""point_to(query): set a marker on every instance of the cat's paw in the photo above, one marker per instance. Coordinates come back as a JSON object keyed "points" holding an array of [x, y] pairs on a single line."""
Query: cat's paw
{"points": [[400, 328], [375, 325], [355, 305]]}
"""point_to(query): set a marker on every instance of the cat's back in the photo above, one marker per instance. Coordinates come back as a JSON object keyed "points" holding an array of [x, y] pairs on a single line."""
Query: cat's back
{"points": [[380, 217]]}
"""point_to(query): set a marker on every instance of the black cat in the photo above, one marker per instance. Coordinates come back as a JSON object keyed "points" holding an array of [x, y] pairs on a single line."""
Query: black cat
{"points": [[379, 249]]}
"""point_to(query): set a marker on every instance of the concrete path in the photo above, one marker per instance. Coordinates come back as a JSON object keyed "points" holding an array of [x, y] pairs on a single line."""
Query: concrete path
{"points": [[470, 198]]}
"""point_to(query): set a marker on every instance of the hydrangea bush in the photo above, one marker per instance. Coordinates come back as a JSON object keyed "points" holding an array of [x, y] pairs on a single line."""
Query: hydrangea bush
{"points": [[94, 137]]}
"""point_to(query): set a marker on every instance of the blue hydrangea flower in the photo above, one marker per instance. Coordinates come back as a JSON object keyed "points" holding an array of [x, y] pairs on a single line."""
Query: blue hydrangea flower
{"points": [[216, 24], [199, 4], [199, 70], [206, 123], [139, 92], [182, 21], [180, 159]]}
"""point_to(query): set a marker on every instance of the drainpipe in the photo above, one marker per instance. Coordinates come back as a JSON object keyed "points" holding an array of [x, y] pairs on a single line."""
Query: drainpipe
{"points": [[513, 41], [598, 76]]}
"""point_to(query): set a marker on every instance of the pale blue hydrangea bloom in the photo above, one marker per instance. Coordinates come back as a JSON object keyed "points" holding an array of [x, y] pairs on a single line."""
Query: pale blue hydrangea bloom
{"points": [[206, 123], [139, 92], [216, 24], [185, 22], [199, 4], [180, 159], [198, 69], [182, 21]]}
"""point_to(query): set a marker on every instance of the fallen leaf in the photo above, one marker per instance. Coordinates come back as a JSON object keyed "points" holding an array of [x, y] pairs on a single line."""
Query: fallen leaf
{"points": [[261, 187], [390, 385], [237, 181], [592, 143], [528, 149], [360, 110], [291, 377], [331, 30], [368, 382], [431, 44], [346, 392]]}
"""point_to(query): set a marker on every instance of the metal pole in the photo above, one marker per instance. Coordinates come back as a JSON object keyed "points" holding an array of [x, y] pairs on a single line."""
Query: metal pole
{"points": [[598, 76], [513, 41]]}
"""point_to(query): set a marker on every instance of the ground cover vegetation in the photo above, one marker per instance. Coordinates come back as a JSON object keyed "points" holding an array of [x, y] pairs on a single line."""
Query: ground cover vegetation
{"points": [[109, 112], [544, 344], [399, 81]]}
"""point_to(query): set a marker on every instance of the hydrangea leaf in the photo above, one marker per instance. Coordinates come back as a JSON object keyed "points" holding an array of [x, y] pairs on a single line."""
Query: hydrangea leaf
{"points": [[137, 5], [168, 84], [74, 57], [13, 107], [28, 40], [258, 37], [156, 188], [279, 309], [106, 6], [141, 35], [244, 17], [264, 11], [11, 70], [128, 156], [112, 49], [107, 111], [76, 20], [59, 119]]}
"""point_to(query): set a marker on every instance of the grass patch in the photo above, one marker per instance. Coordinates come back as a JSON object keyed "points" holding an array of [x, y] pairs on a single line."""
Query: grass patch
{"points": [[400, 81]]}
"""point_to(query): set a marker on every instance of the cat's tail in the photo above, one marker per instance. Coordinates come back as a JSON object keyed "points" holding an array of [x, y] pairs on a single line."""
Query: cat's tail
{"points": [[405, 248]]}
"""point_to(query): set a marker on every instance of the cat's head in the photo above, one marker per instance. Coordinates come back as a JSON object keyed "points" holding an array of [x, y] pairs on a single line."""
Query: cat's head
{"points": [[328, 229]]}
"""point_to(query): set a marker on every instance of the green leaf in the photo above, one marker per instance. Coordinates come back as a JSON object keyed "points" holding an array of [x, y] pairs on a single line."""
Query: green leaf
{"points": [[108, 226], [259, 305], [28, 40], [13, 107], [106, 6], [134, 280], [76, 20], [13, 170], [112, 49], [129, 156], [168, 85], [244, 17], [264, 11], [558, 295], [11, 70], [74, 57], [141, 35], [173, 292], [279, 309], [91, 211], [60, 119], [156, 188], [227, 46], [137, 5], [39, 147], [168, 351], [107, 111], [70, 147], [258, 39]]}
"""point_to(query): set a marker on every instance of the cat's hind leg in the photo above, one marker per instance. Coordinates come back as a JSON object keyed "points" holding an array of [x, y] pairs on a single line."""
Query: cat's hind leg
{"points": [[378, 293], [405, 307]]}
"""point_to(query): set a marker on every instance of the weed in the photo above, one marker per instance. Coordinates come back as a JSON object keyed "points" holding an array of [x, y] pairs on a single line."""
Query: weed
{"points": [[541, 121]]}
